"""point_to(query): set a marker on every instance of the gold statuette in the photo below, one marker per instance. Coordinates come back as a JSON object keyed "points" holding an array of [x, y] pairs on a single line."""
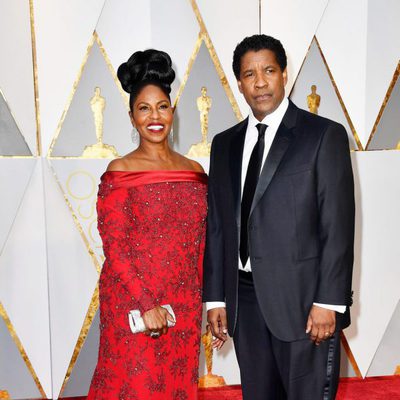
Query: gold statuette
{"points": [[397, 372], [203, 148], [313, 100], [4, 394], [100, 149], [209, 380], [398, 146]]}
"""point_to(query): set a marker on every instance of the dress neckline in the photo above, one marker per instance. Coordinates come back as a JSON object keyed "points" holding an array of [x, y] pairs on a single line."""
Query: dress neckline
{"points": [[158, 171], [137, 178]]}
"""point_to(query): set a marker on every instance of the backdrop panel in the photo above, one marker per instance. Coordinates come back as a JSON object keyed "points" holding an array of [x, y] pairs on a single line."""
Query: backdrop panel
{"points": [[50, 250]]}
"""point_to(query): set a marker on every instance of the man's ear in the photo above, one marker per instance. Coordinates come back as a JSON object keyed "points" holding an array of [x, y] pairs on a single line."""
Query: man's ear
{"points": [[240, 86], [285, 78]]}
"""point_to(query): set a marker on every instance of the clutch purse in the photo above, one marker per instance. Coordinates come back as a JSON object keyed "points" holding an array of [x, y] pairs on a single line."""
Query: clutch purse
{"points": [[136, 322]]}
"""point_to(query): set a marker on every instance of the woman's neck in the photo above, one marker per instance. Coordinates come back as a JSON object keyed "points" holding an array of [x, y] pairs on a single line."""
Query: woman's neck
{"points": [[155, 151]]}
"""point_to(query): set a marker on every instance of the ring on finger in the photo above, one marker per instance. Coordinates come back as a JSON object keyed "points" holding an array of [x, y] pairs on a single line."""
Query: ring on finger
{"points": [[154, 334]]}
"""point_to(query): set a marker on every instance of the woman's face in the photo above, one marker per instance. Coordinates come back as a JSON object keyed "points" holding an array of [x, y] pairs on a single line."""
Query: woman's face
{"points": [[152, 114]]}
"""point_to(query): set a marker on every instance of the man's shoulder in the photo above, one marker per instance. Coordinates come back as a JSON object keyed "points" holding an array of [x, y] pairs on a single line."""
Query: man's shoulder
{"points": [[227, 133], [312, 127], [316, 122]]}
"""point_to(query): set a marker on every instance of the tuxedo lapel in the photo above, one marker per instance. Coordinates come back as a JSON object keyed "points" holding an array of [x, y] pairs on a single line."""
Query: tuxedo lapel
{"points": [[279, 146], [235, 164]]}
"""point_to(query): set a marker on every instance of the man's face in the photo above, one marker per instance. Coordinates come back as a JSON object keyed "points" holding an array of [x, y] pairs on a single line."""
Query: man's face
{"points": [[262, 82]]}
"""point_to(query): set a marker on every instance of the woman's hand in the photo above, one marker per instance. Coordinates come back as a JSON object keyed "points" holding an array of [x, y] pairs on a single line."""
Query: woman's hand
{"points": [[156, 321]]}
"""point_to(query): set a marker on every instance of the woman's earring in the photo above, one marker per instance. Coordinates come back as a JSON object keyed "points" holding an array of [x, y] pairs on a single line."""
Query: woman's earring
{"points": [[135, 136], [171, 136]]}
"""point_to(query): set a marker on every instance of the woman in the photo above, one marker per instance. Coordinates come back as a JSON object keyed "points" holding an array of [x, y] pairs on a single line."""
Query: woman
{"points": [[151, 217]]}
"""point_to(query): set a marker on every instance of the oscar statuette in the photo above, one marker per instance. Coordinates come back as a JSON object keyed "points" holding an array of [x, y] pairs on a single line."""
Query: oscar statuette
{"points": [[203, 148], [313, 100], [209, 380], [99, 149]]}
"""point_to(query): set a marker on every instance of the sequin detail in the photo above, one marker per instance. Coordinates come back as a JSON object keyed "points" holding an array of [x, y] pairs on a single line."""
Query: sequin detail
{"points": [[153, 239]]}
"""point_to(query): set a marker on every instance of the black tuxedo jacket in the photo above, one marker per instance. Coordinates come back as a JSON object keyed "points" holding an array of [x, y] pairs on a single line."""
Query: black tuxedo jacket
{"points": [[301, 226]]}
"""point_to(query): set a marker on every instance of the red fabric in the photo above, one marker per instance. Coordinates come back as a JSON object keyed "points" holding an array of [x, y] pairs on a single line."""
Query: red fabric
{"points": [[233, 392], [379, 388], [152, 224]]}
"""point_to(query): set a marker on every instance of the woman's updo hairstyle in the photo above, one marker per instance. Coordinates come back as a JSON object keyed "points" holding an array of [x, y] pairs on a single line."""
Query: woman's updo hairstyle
{"points": [[143, 68]]}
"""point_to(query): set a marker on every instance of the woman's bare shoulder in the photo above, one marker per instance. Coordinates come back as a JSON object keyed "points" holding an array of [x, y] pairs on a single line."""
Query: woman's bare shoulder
{"points": [[119, 164], [128, 162], [196, 166], [187, 163]]}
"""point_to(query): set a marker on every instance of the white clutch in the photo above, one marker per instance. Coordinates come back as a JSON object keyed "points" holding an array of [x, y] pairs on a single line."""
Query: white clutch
{"points": [[136, 322]]}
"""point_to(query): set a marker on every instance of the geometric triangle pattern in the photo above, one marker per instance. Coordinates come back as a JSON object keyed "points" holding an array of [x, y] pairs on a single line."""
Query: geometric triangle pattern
{"points": [[79, 179], [346, 64], [18, 122], [72, 277], [87, 323], [187, 127], [12, 143], [314, 71], [387, 356], [97, 112], [346, 368], [345, 52], [376, 273], [217, 17], [23, 278], [383, 54], [62, 31], [386, 133], [126, 37], [81, 376], [174, 19], [303, 18], [14, 174], [15, 376], [348, 364], [362, 55]]}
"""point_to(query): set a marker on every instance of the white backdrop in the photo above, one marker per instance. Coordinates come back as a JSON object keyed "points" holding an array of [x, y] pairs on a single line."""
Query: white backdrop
{"points": [[53, 52]]}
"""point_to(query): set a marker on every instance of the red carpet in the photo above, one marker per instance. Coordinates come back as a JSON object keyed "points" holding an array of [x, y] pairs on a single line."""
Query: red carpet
{"points": [[224, 393], [380, 388]]}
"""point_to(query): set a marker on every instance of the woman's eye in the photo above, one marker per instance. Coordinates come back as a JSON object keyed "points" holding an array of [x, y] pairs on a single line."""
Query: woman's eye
{"points": [[164, 106], [143, 108]]}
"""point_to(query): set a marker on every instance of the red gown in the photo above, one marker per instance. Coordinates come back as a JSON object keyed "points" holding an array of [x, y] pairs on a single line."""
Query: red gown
{"points": [[152, 224]]}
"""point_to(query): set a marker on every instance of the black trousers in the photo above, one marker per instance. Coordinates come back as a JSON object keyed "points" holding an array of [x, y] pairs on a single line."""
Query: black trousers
{"points": [[271, 369]]}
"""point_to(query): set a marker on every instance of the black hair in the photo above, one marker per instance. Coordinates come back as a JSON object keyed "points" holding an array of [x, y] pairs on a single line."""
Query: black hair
{"points": [[257, 43], [148, 67]]}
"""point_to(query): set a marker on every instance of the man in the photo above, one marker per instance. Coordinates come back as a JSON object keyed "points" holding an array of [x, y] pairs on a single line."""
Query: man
{"points": [[280, 233]]}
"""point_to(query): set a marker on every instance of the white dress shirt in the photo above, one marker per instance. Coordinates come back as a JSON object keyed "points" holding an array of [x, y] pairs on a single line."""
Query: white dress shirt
{"points": [[273, 121]]}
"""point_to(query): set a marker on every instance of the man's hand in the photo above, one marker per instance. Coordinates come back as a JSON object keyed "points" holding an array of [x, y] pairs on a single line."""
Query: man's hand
{"points": [[216, 317], [321, 324], [156, 320]]}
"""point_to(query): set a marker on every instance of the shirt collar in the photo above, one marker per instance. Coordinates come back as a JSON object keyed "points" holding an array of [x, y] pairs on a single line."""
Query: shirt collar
{"points": [[274, 119]]}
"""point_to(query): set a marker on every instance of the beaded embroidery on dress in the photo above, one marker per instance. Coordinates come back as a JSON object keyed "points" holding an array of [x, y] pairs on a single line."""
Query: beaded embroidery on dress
{"points": [[152, 224]]}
